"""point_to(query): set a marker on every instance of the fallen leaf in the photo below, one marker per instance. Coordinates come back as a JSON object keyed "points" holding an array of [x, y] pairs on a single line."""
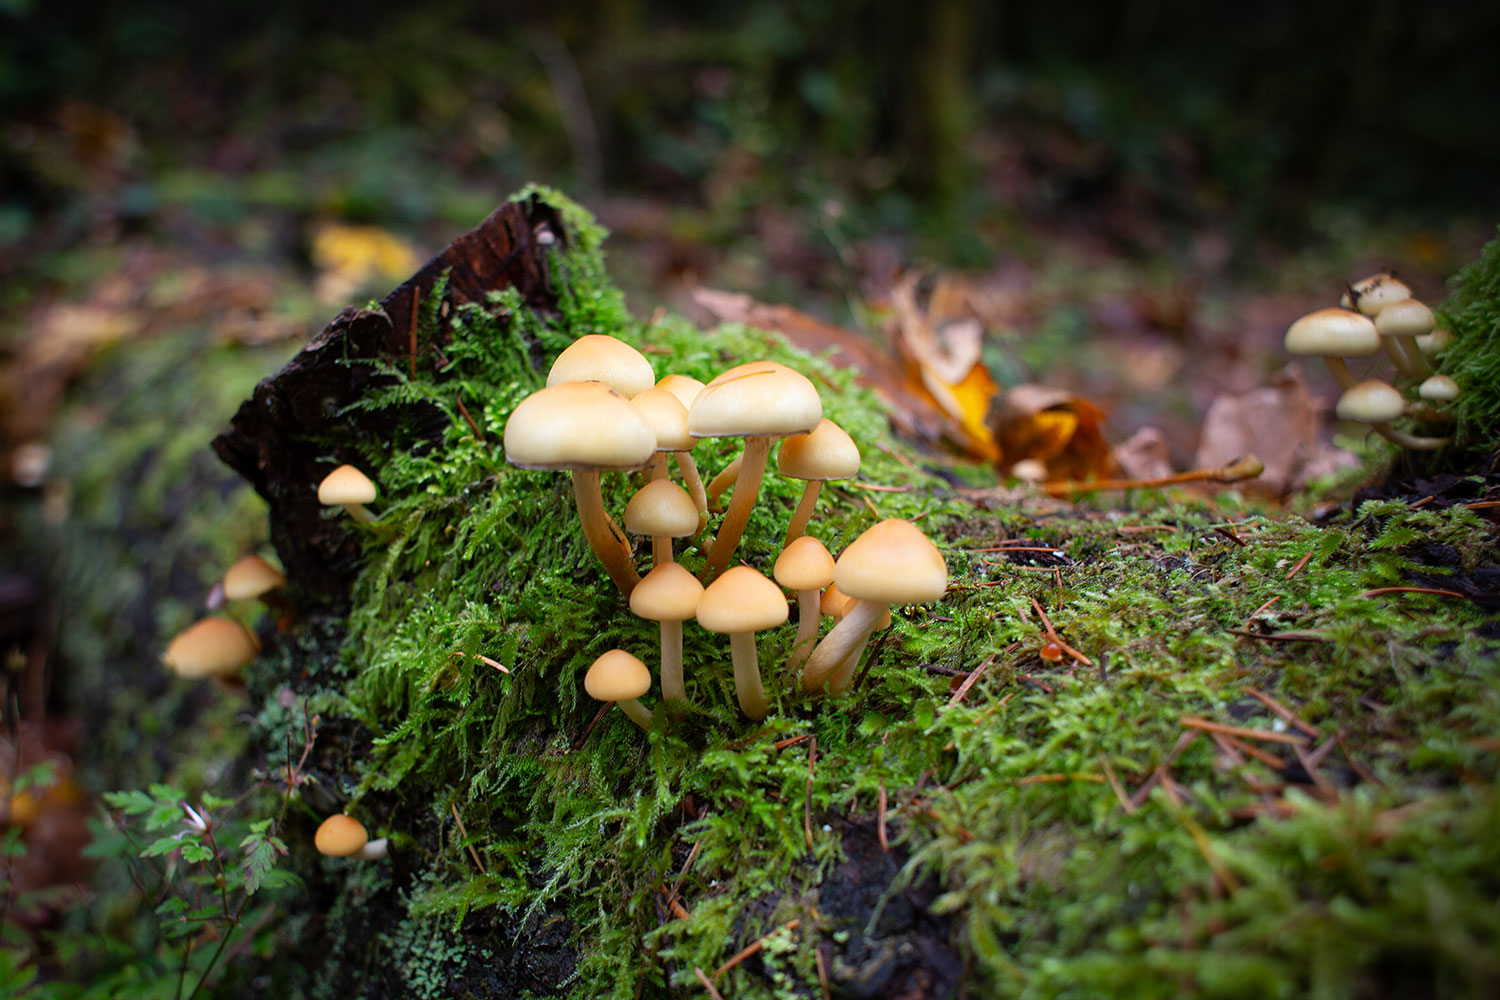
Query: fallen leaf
{"points": [[1144, 455], [1062, 431], [350, 258]]}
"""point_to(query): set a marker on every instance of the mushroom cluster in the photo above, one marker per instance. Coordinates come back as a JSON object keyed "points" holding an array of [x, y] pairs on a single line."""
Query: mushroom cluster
{"points": [[1378, 314], [601, 410]]}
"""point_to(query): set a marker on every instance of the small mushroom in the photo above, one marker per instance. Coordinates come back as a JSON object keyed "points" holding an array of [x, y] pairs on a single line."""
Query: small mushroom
{"points": [[741, 603], [341, 836], [251, 577], [349, 488], [663, 510], [621, 678], [211, 647], [891, 563], [1376, 403], [598, 357], [1438, 389], [1333, 334], [668, 594], [1370, 295], [826, 453], [1399, 325], [805, 566]]}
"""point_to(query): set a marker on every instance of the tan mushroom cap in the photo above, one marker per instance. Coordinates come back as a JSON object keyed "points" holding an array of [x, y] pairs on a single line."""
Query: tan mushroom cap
{"points": [[1333, 333], [340, 836], [684, 387], [578, 425], [661, 507], [668, 593], [598, 357], [1372, 402], [617, 676], [346, 484], [806, 564], [741, 600], [250, 577], [1434, 342], [758, 400], [826, 453], [1373, 294], [892, 563], [1407, 318], [667, 416], [212, 647], [1439, 389], [833, 602]]}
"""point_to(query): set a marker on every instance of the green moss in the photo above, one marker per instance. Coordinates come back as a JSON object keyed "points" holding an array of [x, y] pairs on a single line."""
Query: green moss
{"points": [[1472, 314]]}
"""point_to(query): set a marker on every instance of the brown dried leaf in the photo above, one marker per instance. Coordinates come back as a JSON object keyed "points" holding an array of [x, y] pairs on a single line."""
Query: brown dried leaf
{"points": [[1278, 423], [1062, 431]]}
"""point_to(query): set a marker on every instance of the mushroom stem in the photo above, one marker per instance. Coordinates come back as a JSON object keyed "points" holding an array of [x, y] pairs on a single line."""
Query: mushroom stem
{"points": [[661, 549], [639, 714], [718, 484], [843, 674], [804, 510], [1340, 372], [1427, 413], [842, 640], [1409, 441], [373, 850], [359, 512], [658, 466], [746, 489], [1399, 356], [596, 528], [694, 482], [747, 686], [808, 615], [672, 686]]}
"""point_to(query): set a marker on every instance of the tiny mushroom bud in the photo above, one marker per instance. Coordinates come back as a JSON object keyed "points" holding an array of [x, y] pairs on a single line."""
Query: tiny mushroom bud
{"points": [[891, 563], [663, 510], [251, 577], [341, 836], [1333, 334], [349, 488], [805, 566], [667, 415], [826, 453], [1439, 389], [668, 594], [741, 603], [621, 678], [211, 647], [598, 357]]}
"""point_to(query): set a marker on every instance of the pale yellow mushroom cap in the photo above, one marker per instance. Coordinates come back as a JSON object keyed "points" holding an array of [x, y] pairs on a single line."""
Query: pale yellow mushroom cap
{"points": [[1333, 333], [1374, 293], [346, 484], [668, 419], [1439, 389], [1434, 342], [578, 425], [761, 398], [598, 357], [741, 600], [1371, 401], [892, 563], [834, 601], [339, 836], [1407, 318], [668, 593], [806, 564], [684, 387], [212, 647], [827, 453], [661, 507], [617, 676], [250, 577]]}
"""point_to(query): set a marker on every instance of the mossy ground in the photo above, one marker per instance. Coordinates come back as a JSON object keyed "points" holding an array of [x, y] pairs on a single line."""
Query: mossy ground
{"points": [[525, 827]]}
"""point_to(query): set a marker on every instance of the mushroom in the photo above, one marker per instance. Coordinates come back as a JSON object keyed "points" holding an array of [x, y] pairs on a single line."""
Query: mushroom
{"points": [[1370, 295], [251, 577], [686, 390], [1375, 403], [1435, 342], [341, 836], [584, 427], [1438, 389], [598, 357], [891, 563], [621, 678], [826, 453], [1333, 334], [834, 603], [806, 567], [759, 401], [1399, 325], [663, 510], [741, 603], [668, 594], [211, 647], [349, 488]]}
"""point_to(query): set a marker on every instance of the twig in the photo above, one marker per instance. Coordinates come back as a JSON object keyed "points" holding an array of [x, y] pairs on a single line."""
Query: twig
{"points": [[1240, 746], [968, 682], [754, 947], [822, 972], [465, 834], [885, 845], [1229, 534], [812, 757], [877, 487], [1268, 735], [1183, 741], [706, 984], [464, 411], [1052, 634], [790, 741], [1247, 467], [678, 910], [984, 715], [588, 731], [1114, 783], [1278, 636], [1300, 563], [1059, 778], [1412, 590], [1281, 710]]}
